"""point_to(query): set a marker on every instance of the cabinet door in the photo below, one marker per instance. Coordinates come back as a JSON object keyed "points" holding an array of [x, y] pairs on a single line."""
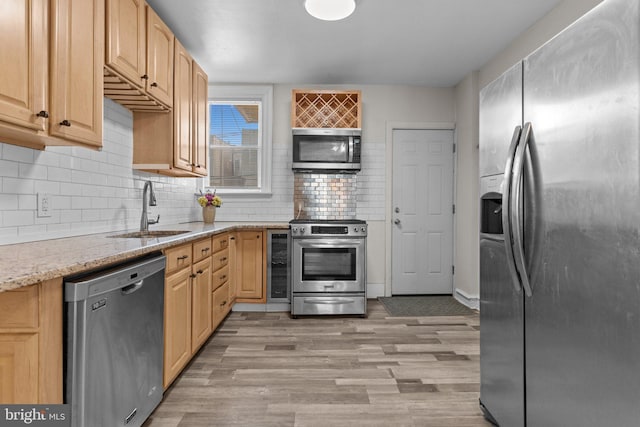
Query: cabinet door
{"points": [[126, 39], [77, 58], [18, 368], [199, 120], [183, 152], [159, 59], [201, 293], [233, 266], [177, 324], [221, 304], [248, 272], [31, 344], [24, 62]]}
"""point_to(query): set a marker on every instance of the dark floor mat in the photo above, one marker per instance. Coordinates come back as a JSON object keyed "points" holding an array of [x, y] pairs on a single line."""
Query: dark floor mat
{"points": [[424, 305]]}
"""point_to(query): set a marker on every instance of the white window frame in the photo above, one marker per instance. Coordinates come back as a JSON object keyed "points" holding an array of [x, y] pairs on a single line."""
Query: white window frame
{"points": [[245, 93]]}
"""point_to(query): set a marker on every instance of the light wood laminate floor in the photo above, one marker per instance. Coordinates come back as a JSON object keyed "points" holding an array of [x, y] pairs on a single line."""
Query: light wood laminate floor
{"points": [[266, 369]]}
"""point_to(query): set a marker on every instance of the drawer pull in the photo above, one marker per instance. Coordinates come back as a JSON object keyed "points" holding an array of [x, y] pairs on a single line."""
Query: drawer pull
{"points": [[192, 275], [199, 271], [222, 278], [223, 242], [223, 259], [223, 303], [205, 250], [183, 257]]}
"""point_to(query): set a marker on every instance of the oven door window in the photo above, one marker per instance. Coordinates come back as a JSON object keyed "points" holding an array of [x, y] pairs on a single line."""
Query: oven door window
{"points": [[322, 264]]}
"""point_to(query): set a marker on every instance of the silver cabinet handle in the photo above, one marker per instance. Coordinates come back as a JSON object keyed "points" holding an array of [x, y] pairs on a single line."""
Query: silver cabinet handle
{"points": [[396, 222], [516, 208], [506, 208]]}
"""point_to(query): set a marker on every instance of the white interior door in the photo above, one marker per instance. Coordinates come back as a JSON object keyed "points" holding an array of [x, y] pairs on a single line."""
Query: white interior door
{"points": [[422, 236]]}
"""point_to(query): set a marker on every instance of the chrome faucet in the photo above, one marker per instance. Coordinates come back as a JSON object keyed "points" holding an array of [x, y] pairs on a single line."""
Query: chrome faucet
{"points": [[145, 221]]}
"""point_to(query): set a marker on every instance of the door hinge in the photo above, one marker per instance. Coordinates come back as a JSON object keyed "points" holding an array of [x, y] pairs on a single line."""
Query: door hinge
{"points": [[453, 210], [454, 148], [453, 269]]}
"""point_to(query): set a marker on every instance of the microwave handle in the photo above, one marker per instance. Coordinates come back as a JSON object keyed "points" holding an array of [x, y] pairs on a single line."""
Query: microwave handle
{"points": [[351, 148]]}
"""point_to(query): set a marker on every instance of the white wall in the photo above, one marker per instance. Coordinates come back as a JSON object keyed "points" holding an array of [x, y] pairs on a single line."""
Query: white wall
{"points": [[380, 104], [466, 260], [466, 280], [91, 191]]}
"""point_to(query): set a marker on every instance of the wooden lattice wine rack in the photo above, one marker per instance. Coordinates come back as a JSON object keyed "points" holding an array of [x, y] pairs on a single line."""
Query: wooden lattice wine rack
{"points": [[326, 109]]}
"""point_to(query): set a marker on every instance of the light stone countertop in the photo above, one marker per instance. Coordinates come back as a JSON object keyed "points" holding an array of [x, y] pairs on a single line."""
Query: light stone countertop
{"points": [[24, 264]]}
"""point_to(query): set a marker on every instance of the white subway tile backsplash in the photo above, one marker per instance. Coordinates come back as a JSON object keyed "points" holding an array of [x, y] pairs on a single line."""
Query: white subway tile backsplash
{"points": [[51, 187], [27, 202], [8, 202], [18, 218], [92, 191], [17, 154], [9, 168], [59, 174], [17, 186]]}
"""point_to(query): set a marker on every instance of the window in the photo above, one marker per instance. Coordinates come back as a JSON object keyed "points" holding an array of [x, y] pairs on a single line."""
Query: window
{"points": [[240, 139]]}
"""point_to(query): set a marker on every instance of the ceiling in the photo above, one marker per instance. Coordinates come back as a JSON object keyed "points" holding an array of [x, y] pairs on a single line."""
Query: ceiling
{"points": [[415, 42]]}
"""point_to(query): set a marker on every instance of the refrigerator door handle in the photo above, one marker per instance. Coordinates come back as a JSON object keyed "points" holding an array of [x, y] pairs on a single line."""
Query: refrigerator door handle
{"points": [[516, 208], [506, 207]]}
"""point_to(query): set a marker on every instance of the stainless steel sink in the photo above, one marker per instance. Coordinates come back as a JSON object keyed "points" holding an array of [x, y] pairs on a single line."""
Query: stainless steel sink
{"points": [[150, 233]]}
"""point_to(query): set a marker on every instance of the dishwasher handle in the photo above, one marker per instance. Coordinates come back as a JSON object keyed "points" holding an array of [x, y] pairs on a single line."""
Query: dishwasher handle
{"points": [[132, 287]]}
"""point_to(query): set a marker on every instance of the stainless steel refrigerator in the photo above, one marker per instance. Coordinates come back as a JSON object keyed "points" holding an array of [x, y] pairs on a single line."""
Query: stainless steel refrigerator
{"points": [[560, 229]]}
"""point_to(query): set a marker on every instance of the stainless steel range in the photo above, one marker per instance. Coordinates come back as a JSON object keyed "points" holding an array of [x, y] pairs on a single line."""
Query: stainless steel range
{"points": [[328, 267]]}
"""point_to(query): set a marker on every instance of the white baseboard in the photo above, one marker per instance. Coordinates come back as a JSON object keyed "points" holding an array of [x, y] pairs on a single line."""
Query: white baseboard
{"points": [[375, 290], [471, 301]]}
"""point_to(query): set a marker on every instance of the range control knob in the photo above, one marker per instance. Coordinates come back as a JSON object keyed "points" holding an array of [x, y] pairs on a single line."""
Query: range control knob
{"points": [[355, 229], [363, 229], [294, 229]]}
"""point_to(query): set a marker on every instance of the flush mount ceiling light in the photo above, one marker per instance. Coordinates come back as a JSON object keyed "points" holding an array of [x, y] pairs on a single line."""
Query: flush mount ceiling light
{"points": [[330, 10]]}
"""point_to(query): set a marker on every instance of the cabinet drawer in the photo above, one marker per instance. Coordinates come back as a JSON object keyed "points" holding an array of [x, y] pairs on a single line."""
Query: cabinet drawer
{"points": [[178, 258], [221, 304], [201, 249], [220, 259], [220, 277], [220, 242], [19, 308]]}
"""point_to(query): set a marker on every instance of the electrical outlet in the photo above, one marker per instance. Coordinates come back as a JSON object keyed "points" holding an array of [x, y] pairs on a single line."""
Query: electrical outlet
{"points": [[44, 205]]}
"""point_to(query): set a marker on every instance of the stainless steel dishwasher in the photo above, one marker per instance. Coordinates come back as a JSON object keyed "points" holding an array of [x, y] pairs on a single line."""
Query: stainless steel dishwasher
{"points": [[114, 343]]}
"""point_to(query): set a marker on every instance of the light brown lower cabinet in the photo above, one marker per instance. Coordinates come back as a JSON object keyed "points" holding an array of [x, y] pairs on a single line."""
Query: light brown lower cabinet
{"points": [[249, 271], [177, 324], [31, 344], [200, 303], [188, 315], [221, 304]]}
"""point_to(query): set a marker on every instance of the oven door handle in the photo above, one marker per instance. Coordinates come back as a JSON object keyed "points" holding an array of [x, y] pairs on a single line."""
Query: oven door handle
{"points": [[331, 244]]}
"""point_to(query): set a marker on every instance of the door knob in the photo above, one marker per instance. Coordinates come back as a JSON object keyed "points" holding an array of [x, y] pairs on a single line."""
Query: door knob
{"points": [[396, 222]]}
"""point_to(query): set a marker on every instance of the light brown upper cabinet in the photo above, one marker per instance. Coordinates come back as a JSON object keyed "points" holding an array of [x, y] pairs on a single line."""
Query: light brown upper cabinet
{"points": [[125, 37], [199, 111], [160, 41], [51, 88], [138, 57], [176, 144]]}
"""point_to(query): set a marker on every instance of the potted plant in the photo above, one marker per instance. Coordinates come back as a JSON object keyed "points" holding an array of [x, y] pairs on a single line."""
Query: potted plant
{"points": [[209, 203]]}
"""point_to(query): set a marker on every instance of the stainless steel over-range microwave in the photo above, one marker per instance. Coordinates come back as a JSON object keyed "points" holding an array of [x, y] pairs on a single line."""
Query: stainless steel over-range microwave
{"points": [[322, 149]]}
